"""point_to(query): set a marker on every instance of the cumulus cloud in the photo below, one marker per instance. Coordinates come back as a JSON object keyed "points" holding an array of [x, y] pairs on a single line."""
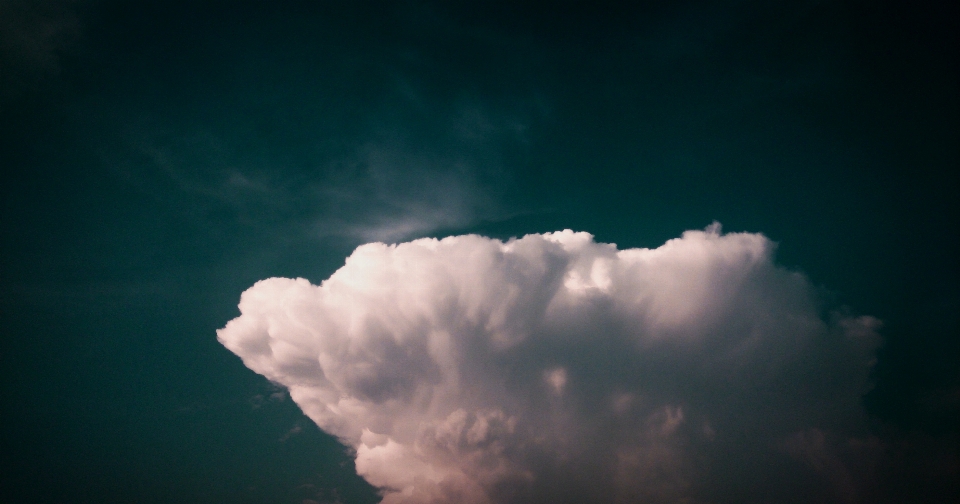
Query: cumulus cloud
{"points": [[553, 368]]}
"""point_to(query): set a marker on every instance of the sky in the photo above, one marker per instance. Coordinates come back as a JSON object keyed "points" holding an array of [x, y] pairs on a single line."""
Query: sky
{"points": [[489, 252]]}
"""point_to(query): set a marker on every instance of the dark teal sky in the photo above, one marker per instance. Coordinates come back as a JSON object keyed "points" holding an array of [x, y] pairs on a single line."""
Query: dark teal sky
{"points": [[158, 158]]}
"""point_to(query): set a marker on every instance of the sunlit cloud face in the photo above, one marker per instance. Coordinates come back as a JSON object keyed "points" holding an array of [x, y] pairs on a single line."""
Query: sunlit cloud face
{"points": [[552, 368]]}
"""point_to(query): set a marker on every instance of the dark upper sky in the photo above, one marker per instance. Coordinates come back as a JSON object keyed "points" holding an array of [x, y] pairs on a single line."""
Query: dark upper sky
{"points": [[158, 158]]}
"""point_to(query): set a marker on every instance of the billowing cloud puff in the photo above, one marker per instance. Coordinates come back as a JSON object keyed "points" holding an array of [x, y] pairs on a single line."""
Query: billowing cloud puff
{"points": [[552, 368]]}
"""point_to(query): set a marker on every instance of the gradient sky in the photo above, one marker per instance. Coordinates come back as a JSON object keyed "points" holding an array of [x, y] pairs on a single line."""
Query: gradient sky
{"points": [[159, 158]]}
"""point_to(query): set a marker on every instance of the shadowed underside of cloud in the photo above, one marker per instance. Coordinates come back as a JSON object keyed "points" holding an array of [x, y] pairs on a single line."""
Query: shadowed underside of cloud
{"points": [[552, 368]]}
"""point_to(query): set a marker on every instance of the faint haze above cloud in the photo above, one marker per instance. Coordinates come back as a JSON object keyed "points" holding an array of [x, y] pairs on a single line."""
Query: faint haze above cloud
{"points": [[341, 138], [399, 172], [552, 368]]}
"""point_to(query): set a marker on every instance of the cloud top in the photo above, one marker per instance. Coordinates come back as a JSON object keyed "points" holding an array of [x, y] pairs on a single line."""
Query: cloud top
{"points": [[553, 368]]}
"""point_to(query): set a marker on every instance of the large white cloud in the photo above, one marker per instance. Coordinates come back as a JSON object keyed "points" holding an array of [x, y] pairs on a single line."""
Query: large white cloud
{"points": [[552, 368]]}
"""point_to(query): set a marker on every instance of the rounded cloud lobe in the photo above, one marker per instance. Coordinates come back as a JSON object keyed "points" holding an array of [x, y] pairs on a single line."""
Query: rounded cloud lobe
{"points": [[552, 368]]}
